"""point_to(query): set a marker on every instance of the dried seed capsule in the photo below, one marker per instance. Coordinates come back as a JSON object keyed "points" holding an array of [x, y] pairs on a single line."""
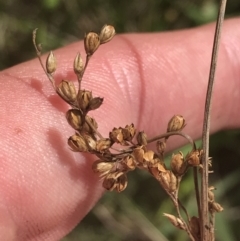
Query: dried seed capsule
{"points": [[74, 118], [77, 143], [106, 34], [116, 135], [51, 63], [168, 180], [215, 207], [138, 155], [176, 123], [95, 103], [121, 183], [128, 132], [109, 182], [83, 98], [90, 142], [103, 145], [78, 65], [176, 163], [175, 221], [91, 43], [142, 138], [129, 162], [102, 167], [193, 158], [86, 127], [67, 90]]}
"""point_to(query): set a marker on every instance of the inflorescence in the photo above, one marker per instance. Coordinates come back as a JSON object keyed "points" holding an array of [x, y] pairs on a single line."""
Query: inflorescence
{"points": [[113, 164]]}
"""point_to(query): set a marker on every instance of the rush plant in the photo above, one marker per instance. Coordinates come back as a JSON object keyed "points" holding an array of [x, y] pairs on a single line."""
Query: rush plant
{"points": [[126, 148]]}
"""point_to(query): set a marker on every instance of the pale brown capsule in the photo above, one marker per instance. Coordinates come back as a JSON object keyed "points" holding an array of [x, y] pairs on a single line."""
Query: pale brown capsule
{"points": [[77, 143], [109, 183], [169, 181], [175, 221], [193, 158], [128, 132], [215, 207], [142, 138], [138, 155], [116, 135], [90, 142], [74, 118], [102, 167], [86, 127], [121, 183], [176, 123], [129, 162], [176, 163], [106, 34], [95, 103], [91, 43], [83, 98], [78, 65], [51, 63], [67, 90], [103, 144]]}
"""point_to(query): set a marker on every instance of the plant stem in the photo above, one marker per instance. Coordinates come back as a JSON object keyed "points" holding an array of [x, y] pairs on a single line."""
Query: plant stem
{"points": [[206, 126]]}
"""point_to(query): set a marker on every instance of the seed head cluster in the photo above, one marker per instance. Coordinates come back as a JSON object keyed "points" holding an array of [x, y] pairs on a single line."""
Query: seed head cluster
{"points": [[114, 163]]}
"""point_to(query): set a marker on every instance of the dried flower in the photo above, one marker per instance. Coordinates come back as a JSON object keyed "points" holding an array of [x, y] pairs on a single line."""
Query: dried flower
{"points": [[102, 167], [116, 135], [51, 63], [95, 103], [77, 143], [214, 207], [106, 34], [83, 98], [91, 43], [176, 163], [142, 138], [78, 65], [74, 118], [193, 158], [176, 123], [128, 132], [66, 90], [103, 145], [175, 221]]}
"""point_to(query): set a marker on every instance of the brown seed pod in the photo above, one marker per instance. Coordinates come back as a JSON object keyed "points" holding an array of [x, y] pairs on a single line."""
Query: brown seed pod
{"points": [[95, 103], [91, 43], [142, 138], [116, 135], [176, 123], [83, 98], [128, 132], [51, 63], [106, 34], [103, 144], [67, 90], [78, 65], [194, 157], [77, 143], [102, 167], [175, 221], [74, 118], [161, 147], [176, 163]]}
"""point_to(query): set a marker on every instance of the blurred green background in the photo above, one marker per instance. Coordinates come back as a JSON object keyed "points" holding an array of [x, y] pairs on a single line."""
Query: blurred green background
{"points": [[135, 214]]}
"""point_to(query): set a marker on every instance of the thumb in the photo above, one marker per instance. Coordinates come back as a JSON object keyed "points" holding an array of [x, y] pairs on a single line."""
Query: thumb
{"points": [[45, 189]]}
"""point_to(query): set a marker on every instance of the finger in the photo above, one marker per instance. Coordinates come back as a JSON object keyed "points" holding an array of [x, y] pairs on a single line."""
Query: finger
{"points": [[145, 79]]}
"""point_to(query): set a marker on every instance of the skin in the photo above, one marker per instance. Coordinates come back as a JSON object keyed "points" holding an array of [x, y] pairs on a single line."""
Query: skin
{"points": [[45, 189]]}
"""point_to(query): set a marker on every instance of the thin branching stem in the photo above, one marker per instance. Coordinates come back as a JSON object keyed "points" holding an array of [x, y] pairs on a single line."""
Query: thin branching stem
{"points": [[206, 125]]}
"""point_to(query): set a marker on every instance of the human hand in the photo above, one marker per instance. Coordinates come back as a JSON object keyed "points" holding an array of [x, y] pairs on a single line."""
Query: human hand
{"points": [[45, 189]]}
